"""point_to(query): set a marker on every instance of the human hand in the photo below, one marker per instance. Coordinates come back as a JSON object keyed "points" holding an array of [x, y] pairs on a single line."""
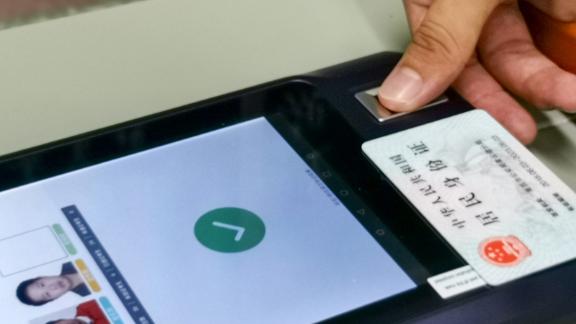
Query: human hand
{"points": [[483, 49]]}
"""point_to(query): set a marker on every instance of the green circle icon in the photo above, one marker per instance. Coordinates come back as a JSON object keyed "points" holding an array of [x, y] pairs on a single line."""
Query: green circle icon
{"points": [[229, 230]]}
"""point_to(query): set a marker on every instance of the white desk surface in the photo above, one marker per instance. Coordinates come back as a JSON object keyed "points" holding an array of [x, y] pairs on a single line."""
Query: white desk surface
{"points": [[69, 75]]}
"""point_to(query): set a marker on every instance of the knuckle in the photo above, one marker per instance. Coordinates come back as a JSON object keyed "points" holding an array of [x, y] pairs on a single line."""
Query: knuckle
{"points": [[563, 10], [435, 42], [513, 49], [565, 15]]}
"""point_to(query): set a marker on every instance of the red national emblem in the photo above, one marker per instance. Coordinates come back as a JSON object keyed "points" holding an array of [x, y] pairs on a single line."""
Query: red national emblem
{"points": [[504, 251]]}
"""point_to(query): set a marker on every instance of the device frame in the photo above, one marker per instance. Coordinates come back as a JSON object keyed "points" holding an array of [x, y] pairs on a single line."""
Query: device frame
{"points": [[322, 108]]}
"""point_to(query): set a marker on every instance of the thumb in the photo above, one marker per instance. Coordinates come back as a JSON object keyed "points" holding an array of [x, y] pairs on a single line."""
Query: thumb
{"points": [[441, 46]]}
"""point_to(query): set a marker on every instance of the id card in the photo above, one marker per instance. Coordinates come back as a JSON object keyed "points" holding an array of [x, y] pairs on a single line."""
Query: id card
{"points": [[495, 203]]}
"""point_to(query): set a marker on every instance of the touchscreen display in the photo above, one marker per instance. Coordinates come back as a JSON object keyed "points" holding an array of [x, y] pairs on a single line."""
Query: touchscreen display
{"points": [[229, 226]]}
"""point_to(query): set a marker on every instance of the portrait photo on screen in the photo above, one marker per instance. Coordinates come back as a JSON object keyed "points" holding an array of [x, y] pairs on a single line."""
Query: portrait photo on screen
{"points": [[85, 313], [43, 289]]}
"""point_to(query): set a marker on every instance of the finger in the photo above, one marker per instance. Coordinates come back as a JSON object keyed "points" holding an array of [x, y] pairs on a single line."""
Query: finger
{"points": [[416, 12], [514, 61], [440, 48], [563, 10], [477, 86]]}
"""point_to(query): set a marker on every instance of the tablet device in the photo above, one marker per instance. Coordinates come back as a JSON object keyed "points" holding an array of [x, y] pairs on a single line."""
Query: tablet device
{"points": [[288, 202]]}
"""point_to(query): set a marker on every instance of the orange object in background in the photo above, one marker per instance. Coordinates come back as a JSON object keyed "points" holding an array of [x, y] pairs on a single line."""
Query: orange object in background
{"points": [[556, 39]]}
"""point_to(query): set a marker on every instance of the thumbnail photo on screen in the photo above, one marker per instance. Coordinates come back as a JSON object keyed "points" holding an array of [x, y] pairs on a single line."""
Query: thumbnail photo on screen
{"points": [[85, 313], [41, 290]]}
